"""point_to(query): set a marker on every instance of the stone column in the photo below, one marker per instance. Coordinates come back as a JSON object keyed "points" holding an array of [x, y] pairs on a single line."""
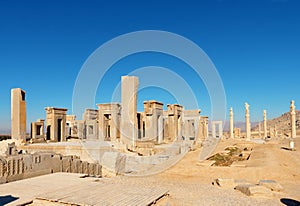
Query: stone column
{"points": [[220, 130], [259, 130], [129, 110], [293, 119], [160, 129], [18, 115], [231, 123], [213, 129], [179, 134], [248, 124], [265, 124]]}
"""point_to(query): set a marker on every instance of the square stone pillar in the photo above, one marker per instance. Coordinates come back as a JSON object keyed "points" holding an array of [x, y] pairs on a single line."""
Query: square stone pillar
{"points": [[160, 129], [174, 122], [213, 129], [220, 130], [18, 114], [231, 124], [129, 110]]}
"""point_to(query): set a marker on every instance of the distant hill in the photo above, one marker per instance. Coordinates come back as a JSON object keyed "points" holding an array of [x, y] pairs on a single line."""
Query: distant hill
{"points": [[240, 125], [4, 131], [282, 123]]}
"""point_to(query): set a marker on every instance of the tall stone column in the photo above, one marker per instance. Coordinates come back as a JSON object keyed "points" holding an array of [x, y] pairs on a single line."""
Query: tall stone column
{"points": [[259, 130], [231, 123], [18, 115], [220, 130], [129, 110], [160, 129], [293, 119], [248, 124], [265, 124], [213, 129]]}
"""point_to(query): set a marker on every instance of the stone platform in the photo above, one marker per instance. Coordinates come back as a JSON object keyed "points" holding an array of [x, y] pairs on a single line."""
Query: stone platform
{"points": [[75, 189]]}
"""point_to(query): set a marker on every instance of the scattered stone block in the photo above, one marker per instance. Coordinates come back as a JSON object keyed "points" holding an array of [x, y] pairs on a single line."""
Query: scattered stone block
{"points": [[254, 190], [114, 162], [173, 150], [206, 163], [226, 182], [271, 184]]}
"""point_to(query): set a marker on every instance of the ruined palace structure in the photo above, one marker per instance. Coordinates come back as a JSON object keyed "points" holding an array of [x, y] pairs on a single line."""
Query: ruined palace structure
{"points": [[121, 122]]}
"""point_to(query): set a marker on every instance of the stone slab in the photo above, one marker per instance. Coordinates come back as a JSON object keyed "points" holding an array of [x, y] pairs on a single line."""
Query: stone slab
{"points": [[271, 184], [254, 190]]}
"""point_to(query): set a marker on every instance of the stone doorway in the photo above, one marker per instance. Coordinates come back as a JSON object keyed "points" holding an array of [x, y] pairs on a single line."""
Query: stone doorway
{"points": [[48, 132], [59, 130]]}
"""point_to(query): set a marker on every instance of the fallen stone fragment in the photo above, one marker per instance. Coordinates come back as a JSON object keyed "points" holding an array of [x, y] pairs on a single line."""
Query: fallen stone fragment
{"points": [[206, 163], [254, 190], [271, 184], [226, 182]]}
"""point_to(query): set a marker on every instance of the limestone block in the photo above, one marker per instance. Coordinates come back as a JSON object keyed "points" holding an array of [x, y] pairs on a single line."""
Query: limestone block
{"points": [[254, 190], [114, 162], [271, 184], [173, 150], [226, 182], [85, 167], [98, 170], [66, 164], [56, 162], [76, 166], [92, 167]]}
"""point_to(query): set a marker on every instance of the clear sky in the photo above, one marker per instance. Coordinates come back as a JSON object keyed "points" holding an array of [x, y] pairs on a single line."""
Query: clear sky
{"points": [[255, 46]]}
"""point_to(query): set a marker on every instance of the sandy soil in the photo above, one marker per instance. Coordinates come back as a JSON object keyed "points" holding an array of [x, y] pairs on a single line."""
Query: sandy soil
{"points": [[267, 161]]}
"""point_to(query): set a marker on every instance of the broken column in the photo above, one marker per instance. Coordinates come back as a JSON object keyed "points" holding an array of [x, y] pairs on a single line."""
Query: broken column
{"points": [[293, 119], [237, 132], [18, 114], [248, 124], [203, 128], [231, 123], [129, 110], [265, 124]]}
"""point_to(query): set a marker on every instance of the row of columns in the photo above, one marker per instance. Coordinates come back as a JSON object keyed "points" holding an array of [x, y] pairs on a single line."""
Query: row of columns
{"points": [[248, 123]]}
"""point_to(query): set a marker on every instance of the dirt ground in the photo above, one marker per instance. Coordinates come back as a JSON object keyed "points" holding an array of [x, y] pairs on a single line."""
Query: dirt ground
{"points": [[189, 183], [269, 161]]}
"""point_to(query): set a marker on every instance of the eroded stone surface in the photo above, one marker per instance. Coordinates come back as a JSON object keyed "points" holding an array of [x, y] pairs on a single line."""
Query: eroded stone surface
{"points": [[226, 182], [271, 184], [254, 190]]}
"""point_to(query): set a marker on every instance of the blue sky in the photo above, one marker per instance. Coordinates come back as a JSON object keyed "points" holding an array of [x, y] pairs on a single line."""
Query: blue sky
{"points": [[255, 46]]}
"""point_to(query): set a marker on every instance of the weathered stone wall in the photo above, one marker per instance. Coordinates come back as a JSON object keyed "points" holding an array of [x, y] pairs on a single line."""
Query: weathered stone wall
{"points": [[24, 166]]}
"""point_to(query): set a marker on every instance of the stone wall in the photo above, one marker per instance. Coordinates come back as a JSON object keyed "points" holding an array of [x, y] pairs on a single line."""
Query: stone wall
{"points": [[22, 166]]}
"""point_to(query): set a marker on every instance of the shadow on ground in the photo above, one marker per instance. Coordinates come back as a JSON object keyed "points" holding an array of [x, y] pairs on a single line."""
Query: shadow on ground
{"points": [[289, 202], [7, 199]]}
